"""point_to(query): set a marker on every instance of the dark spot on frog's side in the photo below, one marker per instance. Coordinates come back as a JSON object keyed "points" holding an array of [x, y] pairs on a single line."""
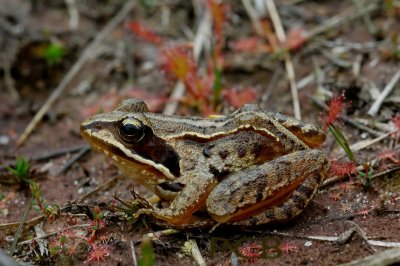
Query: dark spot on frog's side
{"points": [[223, 154], [241, 151], [219, 175], [305, 191], [207, 150], [299, 200], [288, 210]]}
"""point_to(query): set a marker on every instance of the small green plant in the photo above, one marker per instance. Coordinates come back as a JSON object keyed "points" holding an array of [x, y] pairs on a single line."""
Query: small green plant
{"points": [[365, 176], [53, 53], [49, 211], [21, 170]]}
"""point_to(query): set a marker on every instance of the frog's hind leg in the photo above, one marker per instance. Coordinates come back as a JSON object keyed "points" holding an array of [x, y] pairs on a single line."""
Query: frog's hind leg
{"points": [[288, 209], [276, 190]]}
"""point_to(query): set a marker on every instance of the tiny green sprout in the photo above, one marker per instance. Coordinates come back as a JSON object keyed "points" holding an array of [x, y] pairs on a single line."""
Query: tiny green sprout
{"points": [[53, 53], [366, 174], [2, 196], [63, 239], [21, 169]]}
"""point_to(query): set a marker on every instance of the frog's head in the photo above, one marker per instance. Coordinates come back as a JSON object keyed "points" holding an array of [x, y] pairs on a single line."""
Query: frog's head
{"points": [[126, 136]]}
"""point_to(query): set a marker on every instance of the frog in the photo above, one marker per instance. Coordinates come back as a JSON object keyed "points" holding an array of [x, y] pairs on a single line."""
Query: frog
{"points": [[247, 168]]}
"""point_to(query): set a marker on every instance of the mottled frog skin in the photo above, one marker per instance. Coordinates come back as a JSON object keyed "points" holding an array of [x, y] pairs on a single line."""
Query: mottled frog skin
{"points": [[247, 168]]}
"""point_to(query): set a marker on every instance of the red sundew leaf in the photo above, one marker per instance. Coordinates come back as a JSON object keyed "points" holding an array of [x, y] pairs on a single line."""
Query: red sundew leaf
{"points": [[342, 168], [178, 62], [97, 254], [336, 108], [199, 87], [145, 33], [287, 247], [251, 251], [389, 155], [237, 98], [295, 39]]}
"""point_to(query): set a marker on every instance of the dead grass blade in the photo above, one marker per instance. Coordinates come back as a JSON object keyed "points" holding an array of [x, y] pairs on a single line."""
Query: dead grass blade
{"points": [[280, 33]]}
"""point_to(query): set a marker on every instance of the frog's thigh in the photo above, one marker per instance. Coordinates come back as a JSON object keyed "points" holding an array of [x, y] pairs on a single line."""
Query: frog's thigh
{"points": [[288, 209], [266, 186], [189, 200]]}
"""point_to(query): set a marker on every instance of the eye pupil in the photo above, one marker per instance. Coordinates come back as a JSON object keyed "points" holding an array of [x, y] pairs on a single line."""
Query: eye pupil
{"points": [[131, 130]]}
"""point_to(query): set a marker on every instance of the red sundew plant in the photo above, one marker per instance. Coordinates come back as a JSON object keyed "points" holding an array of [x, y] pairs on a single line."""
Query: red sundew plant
{"points": [[145, 33], [287, 247], [389, 155], [251, 251], [364, 212], [178, 63], [97, 254], [342, 168], [205, 91], [336, 108]]}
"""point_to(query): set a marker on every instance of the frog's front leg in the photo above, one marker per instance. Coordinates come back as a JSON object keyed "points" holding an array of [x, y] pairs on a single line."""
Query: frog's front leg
{"points": [[190, 199], [276, 190]]}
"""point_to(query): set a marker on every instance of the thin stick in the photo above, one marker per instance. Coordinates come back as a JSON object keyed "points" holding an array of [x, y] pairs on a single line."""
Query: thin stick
{"points": [[252, 13], [21, 225], [86, 54], [389, 87], [280, 33], [73, 160], [376, 243], [133, 253]]}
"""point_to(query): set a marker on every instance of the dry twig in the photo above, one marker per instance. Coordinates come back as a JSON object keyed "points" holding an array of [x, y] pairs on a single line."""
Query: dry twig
{"points": [[389, 87], [134, 260]]}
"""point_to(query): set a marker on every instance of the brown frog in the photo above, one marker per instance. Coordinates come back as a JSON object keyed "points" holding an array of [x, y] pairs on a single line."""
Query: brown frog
{"points": [[250, 167]]}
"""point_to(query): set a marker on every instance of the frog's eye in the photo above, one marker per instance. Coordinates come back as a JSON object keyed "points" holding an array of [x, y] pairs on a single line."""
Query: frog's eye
{"points": [[131, 130]]}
